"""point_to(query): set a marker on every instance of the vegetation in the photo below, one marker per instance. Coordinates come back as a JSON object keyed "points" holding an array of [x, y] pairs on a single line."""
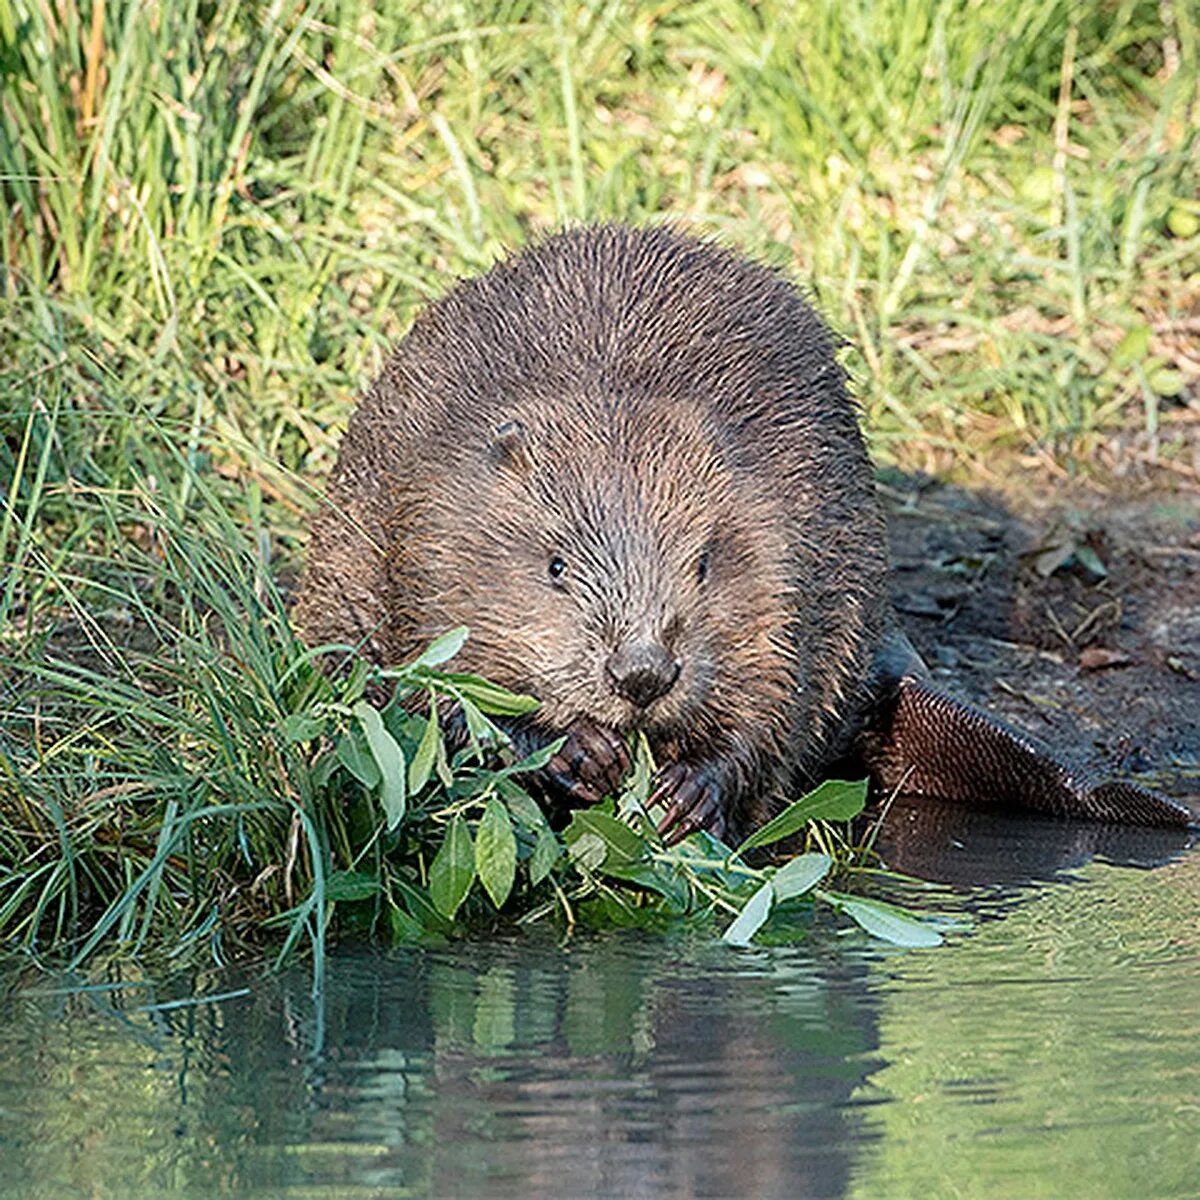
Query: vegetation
{"points": [[215, 217], [182, 774]]}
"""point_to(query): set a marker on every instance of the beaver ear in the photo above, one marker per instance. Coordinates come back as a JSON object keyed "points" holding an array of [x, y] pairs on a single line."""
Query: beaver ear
{"points": [[509, 446]]}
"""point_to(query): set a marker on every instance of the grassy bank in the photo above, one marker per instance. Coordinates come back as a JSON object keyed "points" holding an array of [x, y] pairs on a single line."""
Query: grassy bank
{"points": [[181, 777], [215, 218]]}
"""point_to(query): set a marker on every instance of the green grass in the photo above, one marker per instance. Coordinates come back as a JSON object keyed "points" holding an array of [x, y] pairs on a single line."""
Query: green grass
{"points": [[216, 217], [178, 777]]}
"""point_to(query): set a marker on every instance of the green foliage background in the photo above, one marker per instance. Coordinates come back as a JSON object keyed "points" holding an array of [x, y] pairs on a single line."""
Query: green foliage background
{"points": [[229, 210]]}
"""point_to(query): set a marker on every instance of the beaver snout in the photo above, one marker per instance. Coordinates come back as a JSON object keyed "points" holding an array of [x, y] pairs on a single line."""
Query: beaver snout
{"points": [[642, 672]]}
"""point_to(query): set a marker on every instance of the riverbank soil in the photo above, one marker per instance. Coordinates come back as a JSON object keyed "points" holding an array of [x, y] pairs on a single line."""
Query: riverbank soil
{"points": [[1075, 619]]}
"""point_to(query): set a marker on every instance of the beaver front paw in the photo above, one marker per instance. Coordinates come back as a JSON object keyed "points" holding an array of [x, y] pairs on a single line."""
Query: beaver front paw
{"points": [[588, 767], [693, 798]]}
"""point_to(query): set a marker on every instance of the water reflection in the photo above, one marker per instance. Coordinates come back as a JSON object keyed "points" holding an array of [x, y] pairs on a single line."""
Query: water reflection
{"points": [[612, 1067], [1051, 1047], [1054, 1053], [957, 844]]}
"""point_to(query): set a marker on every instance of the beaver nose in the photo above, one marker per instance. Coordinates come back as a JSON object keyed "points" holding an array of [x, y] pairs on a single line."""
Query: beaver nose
{"points": [[642, 671]]}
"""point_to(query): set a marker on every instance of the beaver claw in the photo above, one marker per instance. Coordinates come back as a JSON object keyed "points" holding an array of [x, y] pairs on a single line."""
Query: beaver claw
{"points": [[695, 802], [589, 765]]}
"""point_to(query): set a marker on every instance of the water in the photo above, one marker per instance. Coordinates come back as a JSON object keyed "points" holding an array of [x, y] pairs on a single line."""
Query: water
{"points": [[1053, 1050]]}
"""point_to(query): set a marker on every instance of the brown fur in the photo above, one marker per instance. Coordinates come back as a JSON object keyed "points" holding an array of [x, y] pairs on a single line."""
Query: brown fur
{"points": [[637, 403]]}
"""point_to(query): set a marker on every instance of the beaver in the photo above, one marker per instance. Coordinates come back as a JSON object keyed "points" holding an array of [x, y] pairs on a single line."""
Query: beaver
{"points": [[628, 460]]}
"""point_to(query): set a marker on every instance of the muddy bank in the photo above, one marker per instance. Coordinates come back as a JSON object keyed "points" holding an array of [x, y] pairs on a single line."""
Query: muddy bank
{"points": [[1078, 622]]}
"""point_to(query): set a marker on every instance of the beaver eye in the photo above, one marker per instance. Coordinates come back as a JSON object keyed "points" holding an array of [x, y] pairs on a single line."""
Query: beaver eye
{"points": [[558, 569], [702, 567]]}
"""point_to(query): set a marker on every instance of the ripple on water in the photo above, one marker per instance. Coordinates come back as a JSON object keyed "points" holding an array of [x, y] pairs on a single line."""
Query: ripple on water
{"points": [[1049, 1051]]}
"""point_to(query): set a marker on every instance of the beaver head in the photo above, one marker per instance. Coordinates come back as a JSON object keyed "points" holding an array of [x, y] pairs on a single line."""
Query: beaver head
{"points": [[611, 560]]}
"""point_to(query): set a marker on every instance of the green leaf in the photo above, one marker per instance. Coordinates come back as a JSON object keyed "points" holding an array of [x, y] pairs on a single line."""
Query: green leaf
{"points": [[422, 763], [351, 885], [622, 846], [546, 852], [1183, 220], [750, 920], [389, 758], [1039, 185], [523, 808], [479, 728], [453, 869], [833, 800], [1133, 347], [885, 921], [442, 648], [1166, 381], [404, 726], [491, 698], [301, 727], [496, 851], [655, 877], [354, 753], [533, 762], [537, 760], [639, 783], [1090, 561], [442, 765], [406, 930], [837, 800], [800, 875], [704, 856], [588, 850], [323, 768], [420, 904]]}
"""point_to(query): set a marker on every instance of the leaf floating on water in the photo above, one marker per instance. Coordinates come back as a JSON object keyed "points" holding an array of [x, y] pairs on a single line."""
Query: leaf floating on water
{"points": [[885, 921], [800, 875]]}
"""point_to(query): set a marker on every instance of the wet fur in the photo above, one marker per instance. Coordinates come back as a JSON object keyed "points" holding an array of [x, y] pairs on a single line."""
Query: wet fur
{"points": [[674, 400], [637, 403]]}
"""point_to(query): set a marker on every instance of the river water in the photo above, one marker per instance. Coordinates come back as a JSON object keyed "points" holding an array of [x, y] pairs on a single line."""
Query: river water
{"points": [[1051, 1049]]}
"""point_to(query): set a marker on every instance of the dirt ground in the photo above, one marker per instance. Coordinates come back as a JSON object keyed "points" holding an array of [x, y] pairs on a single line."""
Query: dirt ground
{"points": [[1079, 622], [1076, 619]]}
